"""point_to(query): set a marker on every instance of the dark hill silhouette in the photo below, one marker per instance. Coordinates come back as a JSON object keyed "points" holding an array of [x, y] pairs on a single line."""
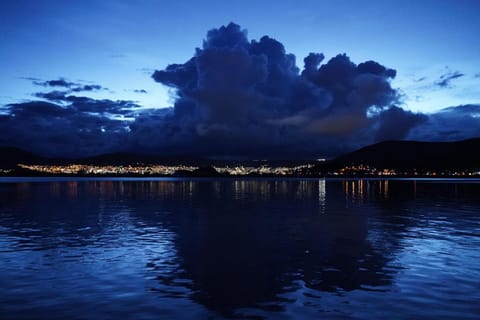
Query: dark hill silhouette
{"points": [[414, 154], [125, 158], [206, 171], [11, 156], [388, 154]]}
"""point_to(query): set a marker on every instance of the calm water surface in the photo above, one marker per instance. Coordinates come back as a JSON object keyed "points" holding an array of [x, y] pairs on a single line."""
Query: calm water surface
{"points": [[214, 249]]}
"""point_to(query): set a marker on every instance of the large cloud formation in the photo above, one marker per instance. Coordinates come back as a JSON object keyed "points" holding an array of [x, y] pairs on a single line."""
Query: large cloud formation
{"points": [[236, 97]]}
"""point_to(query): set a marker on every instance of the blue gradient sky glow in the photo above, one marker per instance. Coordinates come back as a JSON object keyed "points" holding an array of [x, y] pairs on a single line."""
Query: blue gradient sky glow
{"points": [[118, 43], [89, 77]]}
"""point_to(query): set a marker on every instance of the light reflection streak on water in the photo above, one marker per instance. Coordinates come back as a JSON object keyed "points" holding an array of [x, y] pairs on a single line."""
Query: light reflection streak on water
{"points": [[322, 194]]}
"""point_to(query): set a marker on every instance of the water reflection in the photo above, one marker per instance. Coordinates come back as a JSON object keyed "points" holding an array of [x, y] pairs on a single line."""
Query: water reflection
{"points": [[237, 247], [185, 189], [243, 259], [234, 247], [360, 190]]}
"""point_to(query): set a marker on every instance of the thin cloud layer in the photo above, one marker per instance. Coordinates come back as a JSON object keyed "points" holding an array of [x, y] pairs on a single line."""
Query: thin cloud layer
{"points": [[450, 124]]}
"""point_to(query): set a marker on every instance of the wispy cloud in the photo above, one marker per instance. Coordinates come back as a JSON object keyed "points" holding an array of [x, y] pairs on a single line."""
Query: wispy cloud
{"points": [[446, 79], [66, 84]]}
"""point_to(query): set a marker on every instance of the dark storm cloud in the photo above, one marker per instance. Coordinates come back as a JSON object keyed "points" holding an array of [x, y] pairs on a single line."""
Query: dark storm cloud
{"points": [[101, 106], [54, 96], [81, 127], [86, 104], [35, 109], [450, 124], [396, 123], [446, 79], [236, 96], [67, 124]]}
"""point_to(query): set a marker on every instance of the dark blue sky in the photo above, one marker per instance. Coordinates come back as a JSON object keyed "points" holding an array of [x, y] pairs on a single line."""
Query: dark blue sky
{"points": [[81, 72]]}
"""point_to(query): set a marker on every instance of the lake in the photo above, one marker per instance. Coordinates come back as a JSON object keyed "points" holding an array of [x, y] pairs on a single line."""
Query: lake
{"points": [[246, 249]]}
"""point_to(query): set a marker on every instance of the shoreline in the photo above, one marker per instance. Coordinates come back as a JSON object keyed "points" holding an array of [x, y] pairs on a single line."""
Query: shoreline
{"points": [[4, 178]]}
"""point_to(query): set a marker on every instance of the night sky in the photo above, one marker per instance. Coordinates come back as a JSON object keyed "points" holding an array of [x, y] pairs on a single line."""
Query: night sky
{"points": [[237, 79]]}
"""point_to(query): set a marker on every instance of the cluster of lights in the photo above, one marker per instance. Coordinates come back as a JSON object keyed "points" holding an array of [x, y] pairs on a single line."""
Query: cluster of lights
{"points": [[362, 170], [262, 170], [106, 170], [239, 170], [79, 169]]}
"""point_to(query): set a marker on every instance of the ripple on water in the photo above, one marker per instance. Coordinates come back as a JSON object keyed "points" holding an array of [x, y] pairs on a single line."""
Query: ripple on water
{"points": [[278, 249]]}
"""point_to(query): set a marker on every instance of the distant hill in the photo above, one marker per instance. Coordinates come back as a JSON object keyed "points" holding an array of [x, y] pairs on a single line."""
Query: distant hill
{"points": [[388, 154], [414, 154], [10, 157], [123, 158]]}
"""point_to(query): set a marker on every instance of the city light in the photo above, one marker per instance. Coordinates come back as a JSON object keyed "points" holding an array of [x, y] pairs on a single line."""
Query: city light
{"points": [[233, 170]]}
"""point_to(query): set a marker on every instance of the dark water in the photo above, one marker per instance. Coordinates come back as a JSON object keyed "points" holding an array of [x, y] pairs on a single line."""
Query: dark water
{"points": [[214, 249]]}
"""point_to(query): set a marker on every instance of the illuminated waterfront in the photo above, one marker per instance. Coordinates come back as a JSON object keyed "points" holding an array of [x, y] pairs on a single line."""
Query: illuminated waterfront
{"points": [[238, 170]]}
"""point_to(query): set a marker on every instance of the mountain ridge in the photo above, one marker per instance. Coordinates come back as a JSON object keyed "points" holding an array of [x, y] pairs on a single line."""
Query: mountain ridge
{"points": [[399, 154], [409, 154]]}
